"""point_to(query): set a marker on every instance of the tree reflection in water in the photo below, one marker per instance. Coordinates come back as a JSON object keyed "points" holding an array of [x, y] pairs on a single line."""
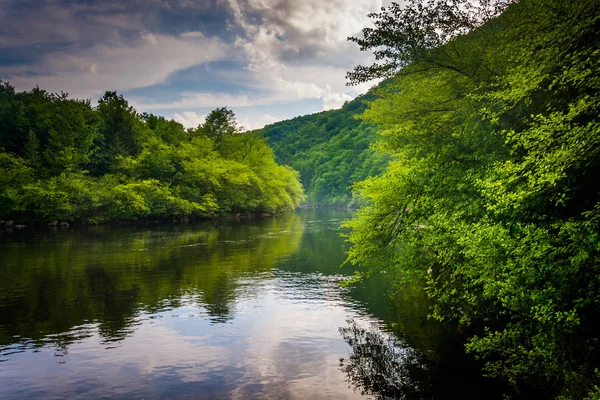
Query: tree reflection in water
{"points": [[382, 366]]}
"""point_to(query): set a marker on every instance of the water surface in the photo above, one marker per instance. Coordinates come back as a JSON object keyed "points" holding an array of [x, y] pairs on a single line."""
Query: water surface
{"points": [[236, 309]]}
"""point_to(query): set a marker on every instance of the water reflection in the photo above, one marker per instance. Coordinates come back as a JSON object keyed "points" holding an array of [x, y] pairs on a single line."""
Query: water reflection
{"points": [[53, 281], [382, 366], [238, 309], [406, 355]]}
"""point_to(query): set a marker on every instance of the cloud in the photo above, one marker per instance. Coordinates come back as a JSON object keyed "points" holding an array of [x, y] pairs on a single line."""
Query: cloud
{"points": [[191, 34], [149, 60], [255, 53], [35, 23], [198, 100], [84, 48], [291, 45], [335, 100], [189, 119], [269, 119], [282, 92], [249, 124]]}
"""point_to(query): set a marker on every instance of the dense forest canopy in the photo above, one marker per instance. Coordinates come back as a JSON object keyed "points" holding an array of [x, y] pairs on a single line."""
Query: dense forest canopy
{"points": [[62, 159], [331, 150], [491, 200]]}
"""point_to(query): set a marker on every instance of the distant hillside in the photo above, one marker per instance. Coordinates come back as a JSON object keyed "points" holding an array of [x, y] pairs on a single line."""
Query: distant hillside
{"points": [[330, 149]]}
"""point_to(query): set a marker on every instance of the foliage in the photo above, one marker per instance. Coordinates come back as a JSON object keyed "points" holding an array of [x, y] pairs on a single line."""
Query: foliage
{"points": [[61, 159], [415, 31], [220, 124], [331, 150], [491, 199]]}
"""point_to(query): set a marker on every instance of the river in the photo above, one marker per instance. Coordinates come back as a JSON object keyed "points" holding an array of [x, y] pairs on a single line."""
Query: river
{"points": [[230, 309]]}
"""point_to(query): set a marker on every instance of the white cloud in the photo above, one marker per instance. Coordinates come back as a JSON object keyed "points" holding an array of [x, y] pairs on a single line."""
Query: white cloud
{"points": [[189, 119], [282, 91], [150, 37], [335, 100], [299, 49], [249, 123], [269, 119], [192, 34], [198, 100]]}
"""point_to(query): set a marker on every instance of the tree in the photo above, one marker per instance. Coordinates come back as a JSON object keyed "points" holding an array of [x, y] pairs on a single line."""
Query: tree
{"points": [[62, 159], [13, 131], [330, 149], [491, 201], [121, 131], [219, 124], [70, 131], [169, 131], [416, 31]]}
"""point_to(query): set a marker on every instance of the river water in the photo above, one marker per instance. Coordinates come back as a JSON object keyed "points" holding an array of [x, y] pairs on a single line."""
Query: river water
{"points": [[232, 309]]}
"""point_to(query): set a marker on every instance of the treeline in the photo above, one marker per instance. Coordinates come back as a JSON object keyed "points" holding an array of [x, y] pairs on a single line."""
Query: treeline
{"points": [[62, 159], [331, 150], [492, 199]]}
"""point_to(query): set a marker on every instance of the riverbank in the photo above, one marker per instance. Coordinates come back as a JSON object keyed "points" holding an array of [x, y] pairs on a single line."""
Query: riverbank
{"points": [[12, 225]]}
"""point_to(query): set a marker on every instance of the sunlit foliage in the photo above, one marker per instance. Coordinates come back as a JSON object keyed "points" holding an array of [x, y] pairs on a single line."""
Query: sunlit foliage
{"points": [[331, 150], [62, 159], [491, 200]]}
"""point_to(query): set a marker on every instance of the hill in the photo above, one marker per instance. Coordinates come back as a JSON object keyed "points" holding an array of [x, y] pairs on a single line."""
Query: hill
{"points": [[331, 150]]}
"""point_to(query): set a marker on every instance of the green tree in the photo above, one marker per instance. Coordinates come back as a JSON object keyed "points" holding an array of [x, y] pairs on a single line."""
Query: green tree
{"points": [[70, 131], [121, 131], [63, 159], [13, 124], [419, 31], [489, 200], [168, 131], [220, 123], [331, 150]]}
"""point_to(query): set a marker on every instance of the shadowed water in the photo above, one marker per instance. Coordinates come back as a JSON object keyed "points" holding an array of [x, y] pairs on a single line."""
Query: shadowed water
{"points": [[238, 309]]}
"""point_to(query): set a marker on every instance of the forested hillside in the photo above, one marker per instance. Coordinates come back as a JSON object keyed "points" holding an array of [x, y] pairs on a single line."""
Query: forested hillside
{"points": [[492, 200], [62, 159], [331, 150]]}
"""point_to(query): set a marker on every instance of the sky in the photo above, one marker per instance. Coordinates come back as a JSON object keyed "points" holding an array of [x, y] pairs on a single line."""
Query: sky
{"points": [[267, 60]]}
